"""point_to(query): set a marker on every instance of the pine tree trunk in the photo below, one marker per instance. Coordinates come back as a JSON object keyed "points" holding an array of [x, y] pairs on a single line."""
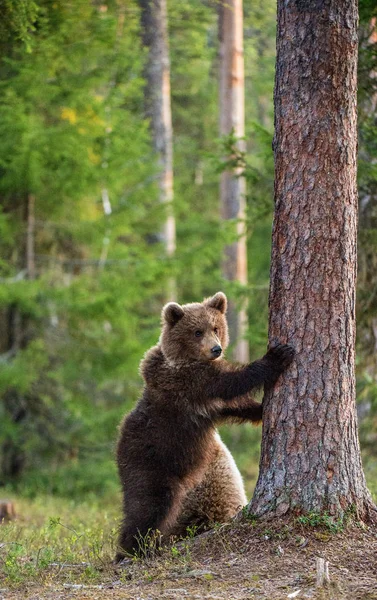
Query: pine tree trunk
{"points": [[232, 184], [158, 106], [310, 450]]}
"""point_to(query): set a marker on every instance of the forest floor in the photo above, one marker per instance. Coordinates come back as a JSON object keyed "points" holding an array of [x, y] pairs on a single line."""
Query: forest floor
{"points": [[242, 560]]}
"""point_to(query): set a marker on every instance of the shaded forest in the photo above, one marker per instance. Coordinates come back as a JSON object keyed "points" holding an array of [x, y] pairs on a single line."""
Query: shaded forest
{"points": [[84, 267]]}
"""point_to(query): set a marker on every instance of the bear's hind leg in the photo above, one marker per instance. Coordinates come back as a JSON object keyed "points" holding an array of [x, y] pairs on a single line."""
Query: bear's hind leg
{"points": [[150, 514], [219, 496]]}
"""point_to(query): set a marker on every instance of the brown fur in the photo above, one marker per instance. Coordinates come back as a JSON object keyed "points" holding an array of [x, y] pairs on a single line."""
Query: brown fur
{"points": [[173, 467]]}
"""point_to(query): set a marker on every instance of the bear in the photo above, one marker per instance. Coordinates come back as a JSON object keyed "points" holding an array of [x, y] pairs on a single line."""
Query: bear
{"points": [[174, 469]]}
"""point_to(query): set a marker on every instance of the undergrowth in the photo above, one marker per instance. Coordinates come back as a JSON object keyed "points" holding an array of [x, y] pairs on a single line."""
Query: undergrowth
{"points": [[326, 521], [55, 538]]}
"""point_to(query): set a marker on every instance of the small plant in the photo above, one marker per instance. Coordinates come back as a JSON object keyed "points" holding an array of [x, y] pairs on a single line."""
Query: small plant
{"points": [[12, 568], [191, 531], [248, 516], [149, 544], [323, 520], [268, 534], [90, 574]]}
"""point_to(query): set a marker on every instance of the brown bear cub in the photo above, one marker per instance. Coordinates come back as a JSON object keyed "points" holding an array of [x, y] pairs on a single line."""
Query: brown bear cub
{"points": [[174, 469]]}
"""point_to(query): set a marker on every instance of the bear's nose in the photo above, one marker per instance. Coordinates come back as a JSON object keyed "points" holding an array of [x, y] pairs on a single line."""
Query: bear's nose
{"points": [[216, 350]]}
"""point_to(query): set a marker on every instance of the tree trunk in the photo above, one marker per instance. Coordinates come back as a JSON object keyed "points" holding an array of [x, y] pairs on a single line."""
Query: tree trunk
{"points": [[30, 237], [367, 256], [7, 511], [232, 184], [367, 110], [158, 107], [310, 450], [16, 329]]}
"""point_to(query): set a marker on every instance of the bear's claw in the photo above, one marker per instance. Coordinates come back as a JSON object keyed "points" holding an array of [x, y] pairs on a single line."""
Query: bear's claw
{"points": [[281, 354]]}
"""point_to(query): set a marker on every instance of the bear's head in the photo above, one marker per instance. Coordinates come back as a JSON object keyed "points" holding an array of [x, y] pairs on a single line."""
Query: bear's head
{"points": [[196, 331]]}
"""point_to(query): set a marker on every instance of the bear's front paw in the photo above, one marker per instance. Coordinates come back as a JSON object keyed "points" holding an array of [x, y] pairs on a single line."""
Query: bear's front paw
{"points": [[281, 356]]}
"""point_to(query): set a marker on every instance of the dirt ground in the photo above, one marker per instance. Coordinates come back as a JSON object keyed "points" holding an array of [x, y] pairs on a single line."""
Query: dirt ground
{"points": [[237, 561]]}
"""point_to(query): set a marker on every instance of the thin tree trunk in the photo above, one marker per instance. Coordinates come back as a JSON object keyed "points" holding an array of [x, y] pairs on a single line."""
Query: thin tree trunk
{"points": [[367, 109], [158, 107], [232, 184], [367, 279], [310, 450], [30, 237], [7, 511], [12, 453]]}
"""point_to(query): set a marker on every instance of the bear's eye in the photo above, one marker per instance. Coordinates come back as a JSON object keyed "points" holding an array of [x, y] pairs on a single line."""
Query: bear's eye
{"points": [[215, 331], [198, 333]]}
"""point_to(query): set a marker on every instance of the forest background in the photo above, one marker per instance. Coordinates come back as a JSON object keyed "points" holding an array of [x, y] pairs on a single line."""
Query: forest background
{"points": [[75, 145]]}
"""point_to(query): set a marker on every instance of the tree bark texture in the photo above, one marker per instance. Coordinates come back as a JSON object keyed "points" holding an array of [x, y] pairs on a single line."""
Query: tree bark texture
{"points": [[158, 104], [310, 457], [232, 184]]}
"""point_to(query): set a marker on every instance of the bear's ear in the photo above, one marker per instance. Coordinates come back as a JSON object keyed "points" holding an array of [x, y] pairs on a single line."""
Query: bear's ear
{"points": [[172, 313], [218, 301]]}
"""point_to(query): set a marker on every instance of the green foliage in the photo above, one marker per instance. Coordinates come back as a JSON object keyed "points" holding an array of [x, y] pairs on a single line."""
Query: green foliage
{"points": [[86, 320], [17, 21], [87, 476], [367, 10], [257, 169], [319, 520], [197, 149], [326, 521]]}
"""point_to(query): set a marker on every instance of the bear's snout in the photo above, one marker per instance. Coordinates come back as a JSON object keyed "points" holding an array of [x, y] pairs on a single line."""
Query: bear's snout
{"points": [[216, 351]]}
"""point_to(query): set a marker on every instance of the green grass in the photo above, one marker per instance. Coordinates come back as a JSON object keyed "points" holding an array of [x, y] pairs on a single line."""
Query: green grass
{"points": [[60, 539], [54, 538]]}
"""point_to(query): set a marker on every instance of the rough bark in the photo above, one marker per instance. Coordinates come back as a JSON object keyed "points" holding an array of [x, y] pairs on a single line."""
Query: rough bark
{"points": [[232, 184], [158, 105], [310, 457]]}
